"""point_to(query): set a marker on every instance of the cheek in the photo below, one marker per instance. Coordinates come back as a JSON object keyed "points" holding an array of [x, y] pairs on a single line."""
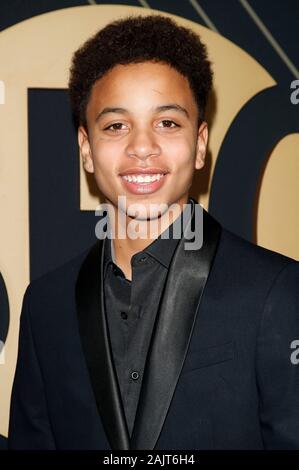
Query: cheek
{"points": [[104, 159], [181, 154]]}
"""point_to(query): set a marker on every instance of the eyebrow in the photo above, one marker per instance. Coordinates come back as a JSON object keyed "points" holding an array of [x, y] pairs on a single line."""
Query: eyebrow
{"points": [[158, 109]]}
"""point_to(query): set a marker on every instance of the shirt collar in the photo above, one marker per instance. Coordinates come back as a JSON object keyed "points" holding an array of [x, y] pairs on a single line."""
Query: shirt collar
{"points": [[161, 249]]}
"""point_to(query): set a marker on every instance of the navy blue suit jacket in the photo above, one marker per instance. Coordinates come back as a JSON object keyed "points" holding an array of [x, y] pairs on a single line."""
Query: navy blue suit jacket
{"points": [[219, 373]]}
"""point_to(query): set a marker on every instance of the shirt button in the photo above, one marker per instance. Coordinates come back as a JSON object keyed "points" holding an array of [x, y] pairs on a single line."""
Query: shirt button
{"points": [[138, 260], [135, 375], [124, 315]]}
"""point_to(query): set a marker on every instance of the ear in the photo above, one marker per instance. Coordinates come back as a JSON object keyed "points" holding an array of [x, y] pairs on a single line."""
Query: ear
{"points": [[201, 146], [85, 150]]}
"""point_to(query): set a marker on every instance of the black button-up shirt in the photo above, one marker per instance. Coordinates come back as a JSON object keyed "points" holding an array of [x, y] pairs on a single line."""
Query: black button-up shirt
{"points": [[131, 308]]}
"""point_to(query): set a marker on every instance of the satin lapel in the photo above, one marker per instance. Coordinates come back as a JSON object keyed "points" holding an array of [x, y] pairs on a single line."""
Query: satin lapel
{"points": [[177, 313], [97, 349]]}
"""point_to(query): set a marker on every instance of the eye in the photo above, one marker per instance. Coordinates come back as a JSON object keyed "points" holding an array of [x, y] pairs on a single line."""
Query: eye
{"points": [[115, 127], [169, 123]]}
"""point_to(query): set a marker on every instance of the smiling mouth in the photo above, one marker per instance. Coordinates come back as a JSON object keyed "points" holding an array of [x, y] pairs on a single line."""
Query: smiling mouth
{"points": [[143, 179], [145, 183]]}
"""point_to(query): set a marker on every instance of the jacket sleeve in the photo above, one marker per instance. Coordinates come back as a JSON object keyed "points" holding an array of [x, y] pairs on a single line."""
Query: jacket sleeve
{"points": [[277, 362], [29, 426]]}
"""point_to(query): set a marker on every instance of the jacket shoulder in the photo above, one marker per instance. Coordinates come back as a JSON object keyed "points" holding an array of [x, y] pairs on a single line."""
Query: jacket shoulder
{"points": [[250, 259], [59, 280]]}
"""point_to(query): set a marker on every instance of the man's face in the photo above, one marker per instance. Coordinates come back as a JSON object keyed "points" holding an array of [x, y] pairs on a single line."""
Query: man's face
{"points": [[140, 117]]}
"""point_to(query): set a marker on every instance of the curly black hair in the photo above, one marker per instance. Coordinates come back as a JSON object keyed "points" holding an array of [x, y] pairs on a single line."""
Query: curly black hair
{"points": [[136, 39]]}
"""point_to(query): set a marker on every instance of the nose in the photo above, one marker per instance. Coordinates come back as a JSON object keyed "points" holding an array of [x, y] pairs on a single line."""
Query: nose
{"points": [[142, 144]]}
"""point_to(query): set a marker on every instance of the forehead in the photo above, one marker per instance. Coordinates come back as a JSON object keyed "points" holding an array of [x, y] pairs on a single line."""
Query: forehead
{"points": [[141, 83]]}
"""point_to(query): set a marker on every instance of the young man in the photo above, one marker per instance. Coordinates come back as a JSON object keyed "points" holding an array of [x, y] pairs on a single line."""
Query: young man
{"points": [[141, 343]]}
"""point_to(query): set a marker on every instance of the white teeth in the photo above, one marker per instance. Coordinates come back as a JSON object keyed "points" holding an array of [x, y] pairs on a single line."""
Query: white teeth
{"points": [[143, 178]]}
